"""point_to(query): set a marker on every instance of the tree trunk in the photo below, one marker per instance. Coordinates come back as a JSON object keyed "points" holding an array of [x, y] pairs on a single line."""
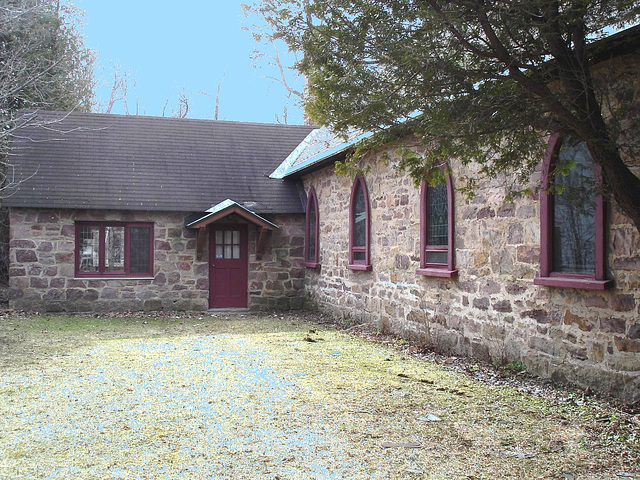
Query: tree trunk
{"points": [[623, 184]]}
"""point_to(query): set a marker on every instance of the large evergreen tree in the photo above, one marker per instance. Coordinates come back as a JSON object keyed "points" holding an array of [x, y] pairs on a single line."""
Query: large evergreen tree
{"points": [[483, 81], [44, 65]]}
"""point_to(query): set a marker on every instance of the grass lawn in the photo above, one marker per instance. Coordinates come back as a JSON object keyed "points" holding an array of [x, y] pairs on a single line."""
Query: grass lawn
{"points": [[274, 397]]}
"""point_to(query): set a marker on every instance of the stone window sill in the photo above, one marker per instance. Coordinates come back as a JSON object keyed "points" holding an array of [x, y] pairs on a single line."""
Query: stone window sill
{"points": [[312, 264], [363, 267], [573, 282], [438, 272]]}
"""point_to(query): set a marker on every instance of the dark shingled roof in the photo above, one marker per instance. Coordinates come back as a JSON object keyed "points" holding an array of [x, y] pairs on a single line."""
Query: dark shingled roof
{"points": [[84, 160]]}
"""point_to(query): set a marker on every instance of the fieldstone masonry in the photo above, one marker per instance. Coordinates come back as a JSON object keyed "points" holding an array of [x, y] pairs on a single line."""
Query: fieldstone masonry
{"points": [[276, 277], [492, 310], [42, 265]]}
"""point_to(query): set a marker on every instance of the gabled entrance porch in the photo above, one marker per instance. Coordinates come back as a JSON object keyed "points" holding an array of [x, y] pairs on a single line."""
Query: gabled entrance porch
{"points": [[228, 250]]}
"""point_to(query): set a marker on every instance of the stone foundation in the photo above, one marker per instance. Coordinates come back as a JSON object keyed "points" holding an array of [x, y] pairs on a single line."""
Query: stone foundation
{"points": [[42, 266]]}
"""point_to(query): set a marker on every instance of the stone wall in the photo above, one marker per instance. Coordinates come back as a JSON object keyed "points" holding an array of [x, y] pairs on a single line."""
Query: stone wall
{"points": [[492, 310], [42, 266], [276, 278]]}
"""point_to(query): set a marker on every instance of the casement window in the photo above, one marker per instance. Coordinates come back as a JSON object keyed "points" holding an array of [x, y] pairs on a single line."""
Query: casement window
{"points": [[114, 249], [312, 232], [437, 230], [359, 225], [572, 218]]}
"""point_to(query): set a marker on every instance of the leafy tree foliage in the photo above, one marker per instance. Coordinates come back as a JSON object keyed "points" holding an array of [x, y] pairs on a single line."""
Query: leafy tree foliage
{"points": [[478, 80]]}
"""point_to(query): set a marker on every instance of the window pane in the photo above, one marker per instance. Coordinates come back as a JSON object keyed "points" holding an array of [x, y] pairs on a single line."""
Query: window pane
{"points": [[89, 249], [228, 244], [574, 213], [360, 217], [437, 257], [113, 249], [312, 233], [437, 216], [359, 256], [139, 250]]}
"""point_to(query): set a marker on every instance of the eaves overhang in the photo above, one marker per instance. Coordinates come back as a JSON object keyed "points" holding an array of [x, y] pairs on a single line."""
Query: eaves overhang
{"points": [[620, 43], [290, 167]]}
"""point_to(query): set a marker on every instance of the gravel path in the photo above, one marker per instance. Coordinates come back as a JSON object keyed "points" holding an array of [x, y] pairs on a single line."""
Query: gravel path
{"points": [[264, 398], [204, 407]]}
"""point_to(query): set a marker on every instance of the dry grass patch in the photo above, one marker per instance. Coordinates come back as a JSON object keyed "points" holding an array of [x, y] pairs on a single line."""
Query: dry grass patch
{"points": [[274, 397]]}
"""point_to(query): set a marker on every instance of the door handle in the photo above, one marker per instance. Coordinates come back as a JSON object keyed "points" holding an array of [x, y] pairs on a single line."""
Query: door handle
{"points": [[213, 265]]}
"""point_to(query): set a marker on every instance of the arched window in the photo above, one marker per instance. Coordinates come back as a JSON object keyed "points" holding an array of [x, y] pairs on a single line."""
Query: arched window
{"points": [[572, 232], [312, 232], [437, 230], [359, 222]]}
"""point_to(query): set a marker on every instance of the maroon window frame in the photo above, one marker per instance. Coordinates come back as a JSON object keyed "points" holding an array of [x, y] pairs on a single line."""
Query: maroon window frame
{"points": [[359, 257], [312, 232], [548, 277], [102, 271], [427, 267]]}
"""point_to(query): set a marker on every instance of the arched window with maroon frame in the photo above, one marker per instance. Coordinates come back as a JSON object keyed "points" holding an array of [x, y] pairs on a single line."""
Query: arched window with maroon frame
{"points": [[437, 254], [572, 218], [312, 232], [359, 225]]}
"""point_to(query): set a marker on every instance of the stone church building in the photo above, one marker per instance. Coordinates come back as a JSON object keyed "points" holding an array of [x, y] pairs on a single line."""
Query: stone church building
{"points": [[113, 213]]}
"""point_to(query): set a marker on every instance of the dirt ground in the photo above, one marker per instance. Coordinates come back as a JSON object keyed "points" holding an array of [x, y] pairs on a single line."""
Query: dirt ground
{"points": [[280, 397]]}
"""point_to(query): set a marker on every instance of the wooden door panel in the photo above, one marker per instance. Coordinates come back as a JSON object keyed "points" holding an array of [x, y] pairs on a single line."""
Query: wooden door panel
{"points": [[228, 266]]}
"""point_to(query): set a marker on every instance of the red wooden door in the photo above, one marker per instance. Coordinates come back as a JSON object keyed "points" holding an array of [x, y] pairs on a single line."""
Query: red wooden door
{"points": [[228, 266]]}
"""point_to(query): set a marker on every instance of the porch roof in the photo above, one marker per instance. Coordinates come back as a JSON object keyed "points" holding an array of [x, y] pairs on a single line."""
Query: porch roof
{"points": [[224, 208]]}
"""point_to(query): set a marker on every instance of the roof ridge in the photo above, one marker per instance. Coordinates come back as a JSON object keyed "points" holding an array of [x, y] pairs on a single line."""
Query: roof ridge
{"points": [[74, 113]]}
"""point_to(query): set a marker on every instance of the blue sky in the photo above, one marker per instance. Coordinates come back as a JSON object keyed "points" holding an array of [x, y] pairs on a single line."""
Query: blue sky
{"points": [[189, 47]]}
